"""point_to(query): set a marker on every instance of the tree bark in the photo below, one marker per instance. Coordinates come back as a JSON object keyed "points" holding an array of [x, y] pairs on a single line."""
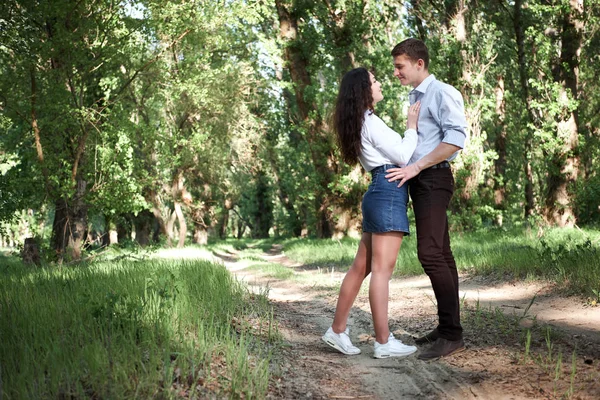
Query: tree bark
{"points": [[157, 207], [182, 225], [198, 214], [200, 235], [143, 227], [60, 229], [36, 130], [241, 229], [264, 214], [179, 194], [224, 221], [30, 253], [124, 228], [319, 145], [500, 146], [69, 228], [78, 220], [565, 163], [171, 224], [524, 79]]}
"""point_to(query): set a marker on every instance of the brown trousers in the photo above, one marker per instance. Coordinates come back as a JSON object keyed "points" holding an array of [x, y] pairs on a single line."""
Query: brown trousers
{"points": [[431, 192]]}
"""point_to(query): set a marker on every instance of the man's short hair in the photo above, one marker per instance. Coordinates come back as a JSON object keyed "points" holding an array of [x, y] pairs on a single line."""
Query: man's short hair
{"points": [[414, 49]]}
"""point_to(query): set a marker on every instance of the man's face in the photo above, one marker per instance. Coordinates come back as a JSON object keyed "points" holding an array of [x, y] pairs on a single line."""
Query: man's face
{"points": [[408, 71]]}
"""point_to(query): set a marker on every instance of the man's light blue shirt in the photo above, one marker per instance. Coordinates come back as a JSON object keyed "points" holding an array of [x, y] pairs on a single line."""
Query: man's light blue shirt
{"points": [[441, 119]]}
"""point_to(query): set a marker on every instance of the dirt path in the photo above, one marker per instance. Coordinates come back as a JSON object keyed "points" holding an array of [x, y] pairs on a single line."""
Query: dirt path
{"points": [[488, 369]]}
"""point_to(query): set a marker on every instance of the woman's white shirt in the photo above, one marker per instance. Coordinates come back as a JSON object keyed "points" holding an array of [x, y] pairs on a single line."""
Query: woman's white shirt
{"points": [[382, 145]]}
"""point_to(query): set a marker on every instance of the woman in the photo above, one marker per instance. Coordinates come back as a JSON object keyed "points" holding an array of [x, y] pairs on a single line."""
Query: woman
{"points": [[364, 137]]}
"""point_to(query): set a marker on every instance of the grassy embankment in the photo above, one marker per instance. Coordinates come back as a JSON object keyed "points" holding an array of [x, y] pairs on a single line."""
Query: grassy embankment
{"points": [[568, 257], [131, 329]]}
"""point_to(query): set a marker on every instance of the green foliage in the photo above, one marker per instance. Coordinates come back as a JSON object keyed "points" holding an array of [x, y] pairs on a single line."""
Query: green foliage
{"points": [[212, 108], [588, 200]]}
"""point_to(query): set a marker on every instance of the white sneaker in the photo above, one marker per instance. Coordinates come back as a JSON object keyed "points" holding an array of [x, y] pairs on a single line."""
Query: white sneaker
{"points": [[341, 342], [393, 348]]}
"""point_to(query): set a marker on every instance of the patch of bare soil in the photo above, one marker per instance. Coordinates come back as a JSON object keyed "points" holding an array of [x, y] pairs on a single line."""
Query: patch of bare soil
{"points": [[495, 365]]}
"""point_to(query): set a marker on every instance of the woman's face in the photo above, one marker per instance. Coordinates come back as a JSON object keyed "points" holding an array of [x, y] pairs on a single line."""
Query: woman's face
{"points": [[375, 89]]}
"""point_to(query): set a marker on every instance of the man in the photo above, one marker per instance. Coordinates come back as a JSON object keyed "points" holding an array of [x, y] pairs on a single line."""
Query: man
{"points": [[442, 133]]}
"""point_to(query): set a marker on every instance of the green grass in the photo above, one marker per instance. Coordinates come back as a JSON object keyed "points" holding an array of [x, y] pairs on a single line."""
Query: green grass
{"points": [[272, 270], [131, 329], [569, 257], [257, 246], [327, 253]]}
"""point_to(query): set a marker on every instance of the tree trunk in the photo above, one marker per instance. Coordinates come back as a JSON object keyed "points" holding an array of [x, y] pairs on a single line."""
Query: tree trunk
{"points": [[200, 235], [60, 229], [179, 194], [319, 145], [263, 217], [224, 222], [182, 225], [524, 83], [171, 225], [36, 130], [31, 252], [70, 224], [143, 226], [500, 146], [124, 228], [107, 235], [241, 228], [157, 207], [565, 163], [472, 73], [78, 221]]}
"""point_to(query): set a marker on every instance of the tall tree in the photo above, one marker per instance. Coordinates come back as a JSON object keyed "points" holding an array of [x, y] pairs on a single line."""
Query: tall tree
{"points": [[69, 55], [565, 162]]}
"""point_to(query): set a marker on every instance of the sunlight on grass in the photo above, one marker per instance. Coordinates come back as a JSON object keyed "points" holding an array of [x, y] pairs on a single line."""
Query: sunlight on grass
{"points": [[326, 253], [568, 257], [272, 270], [187, 253], [130, 329]]}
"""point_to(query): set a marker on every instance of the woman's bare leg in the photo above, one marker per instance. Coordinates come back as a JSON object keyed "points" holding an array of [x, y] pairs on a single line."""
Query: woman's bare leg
{"points": [[385, 248], [361, 267]]}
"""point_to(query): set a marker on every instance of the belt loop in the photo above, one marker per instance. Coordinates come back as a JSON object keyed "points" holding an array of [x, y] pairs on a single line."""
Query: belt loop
{"points": [[443, 164]]}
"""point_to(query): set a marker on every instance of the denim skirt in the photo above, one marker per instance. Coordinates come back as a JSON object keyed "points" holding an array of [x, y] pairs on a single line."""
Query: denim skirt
{"points": [[384, 204]]}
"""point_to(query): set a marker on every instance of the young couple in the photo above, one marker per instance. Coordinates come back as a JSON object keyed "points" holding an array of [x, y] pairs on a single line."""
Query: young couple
{"points": [[436, 131]]}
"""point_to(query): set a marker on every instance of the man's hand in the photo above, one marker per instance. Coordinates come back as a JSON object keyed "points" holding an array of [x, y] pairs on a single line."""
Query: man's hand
{"points": [[402, 174]]}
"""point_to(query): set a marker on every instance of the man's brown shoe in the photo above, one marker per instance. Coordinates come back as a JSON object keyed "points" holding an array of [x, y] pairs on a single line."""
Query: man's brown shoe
{"points": [[442, 348], [429, 338]]}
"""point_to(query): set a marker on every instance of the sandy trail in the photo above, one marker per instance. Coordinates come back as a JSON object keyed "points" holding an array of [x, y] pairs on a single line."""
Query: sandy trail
{"points": [[486, 370]]}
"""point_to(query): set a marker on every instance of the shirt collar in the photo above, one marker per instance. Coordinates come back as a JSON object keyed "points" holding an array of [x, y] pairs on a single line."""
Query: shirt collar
{"points": [[424, 85]]}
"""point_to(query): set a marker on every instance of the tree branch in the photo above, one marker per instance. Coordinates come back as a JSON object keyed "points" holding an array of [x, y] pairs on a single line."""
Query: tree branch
{"points": [[242, 218], [150, 62]]}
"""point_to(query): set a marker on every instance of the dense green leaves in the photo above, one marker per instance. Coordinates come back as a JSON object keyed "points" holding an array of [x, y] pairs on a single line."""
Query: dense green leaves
{"points": [[213, 117]]}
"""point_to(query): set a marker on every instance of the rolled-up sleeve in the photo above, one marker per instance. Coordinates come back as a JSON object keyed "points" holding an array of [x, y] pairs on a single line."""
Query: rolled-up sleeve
{"points": [[452, 117]]}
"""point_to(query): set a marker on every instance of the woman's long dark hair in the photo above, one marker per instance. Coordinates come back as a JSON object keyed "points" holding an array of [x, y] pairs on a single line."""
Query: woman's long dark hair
{"points": [[355, 97]]}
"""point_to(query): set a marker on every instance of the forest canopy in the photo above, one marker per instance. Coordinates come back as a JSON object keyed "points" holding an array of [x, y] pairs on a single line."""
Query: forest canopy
{"points": [[173, 121]]}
